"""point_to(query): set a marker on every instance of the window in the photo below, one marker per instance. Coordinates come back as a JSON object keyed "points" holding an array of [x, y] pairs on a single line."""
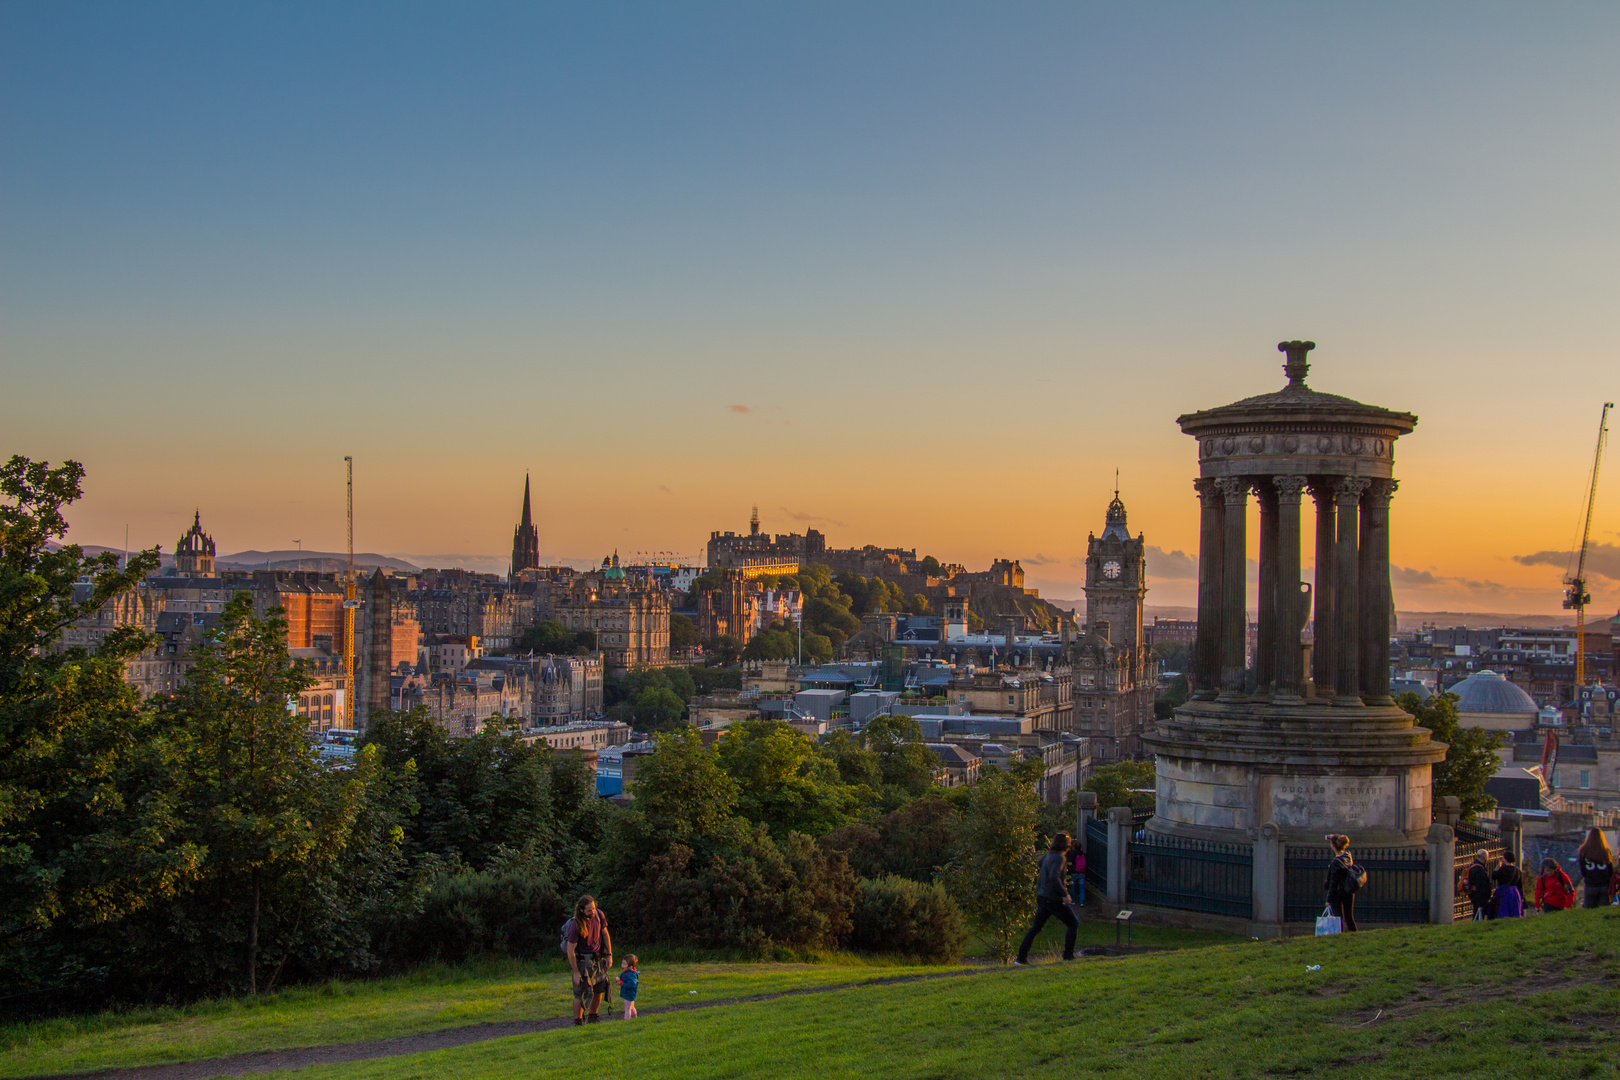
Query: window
{"points": [[1586, 778]]}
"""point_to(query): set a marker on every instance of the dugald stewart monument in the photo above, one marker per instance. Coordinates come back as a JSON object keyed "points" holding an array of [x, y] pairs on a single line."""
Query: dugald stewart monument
{"points": [[1314, 743]]}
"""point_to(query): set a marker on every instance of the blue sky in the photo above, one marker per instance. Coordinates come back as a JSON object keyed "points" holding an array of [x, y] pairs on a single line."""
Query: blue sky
{"points": [[956, 262]]}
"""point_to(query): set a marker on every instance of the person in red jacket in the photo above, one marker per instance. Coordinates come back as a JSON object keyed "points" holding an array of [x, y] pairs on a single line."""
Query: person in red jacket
{"points": [[1554, 890]]}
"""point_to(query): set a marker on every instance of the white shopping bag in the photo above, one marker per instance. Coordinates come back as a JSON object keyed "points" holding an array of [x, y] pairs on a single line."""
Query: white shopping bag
{"points": [[1328, 923]]}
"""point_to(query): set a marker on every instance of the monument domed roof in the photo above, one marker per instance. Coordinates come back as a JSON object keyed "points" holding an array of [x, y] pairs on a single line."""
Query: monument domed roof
{"points": [[1488, 692], [1296, 402]]}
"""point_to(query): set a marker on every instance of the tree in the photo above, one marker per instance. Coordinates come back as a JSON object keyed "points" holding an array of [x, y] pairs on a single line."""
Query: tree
{"points": [[783, 784], [906, 765], [1175, 696], [994, 874], [468, 798], [273, 819], [552, 637], [682, 632], [918, 605], [89, 793], [1114, 784], [1172, 655], [723, 650], [930, 566], [682, 789], [1471, 757]]}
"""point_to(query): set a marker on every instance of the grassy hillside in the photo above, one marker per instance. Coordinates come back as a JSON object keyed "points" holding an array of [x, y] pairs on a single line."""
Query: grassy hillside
{"points": [[433, 999], [1538, 997], [1534, 997]]}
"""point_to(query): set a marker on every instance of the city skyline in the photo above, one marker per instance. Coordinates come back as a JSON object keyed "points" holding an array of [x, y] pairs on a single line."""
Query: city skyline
{"points": [[918, 276]]}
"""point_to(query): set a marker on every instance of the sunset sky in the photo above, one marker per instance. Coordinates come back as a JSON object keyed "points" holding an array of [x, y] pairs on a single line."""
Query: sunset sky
{"points": [[917, 275]]}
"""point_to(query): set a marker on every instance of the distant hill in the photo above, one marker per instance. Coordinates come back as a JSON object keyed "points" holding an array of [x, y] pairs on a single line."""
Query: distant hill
{"points": [[1475, 620], [323, 561]]}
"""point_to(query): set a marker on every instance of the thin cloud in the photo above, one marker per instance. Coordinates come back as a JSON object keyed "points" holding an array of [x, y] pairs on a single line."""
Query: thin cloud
{"points": [[1601, 559], [1037, 559], [811, 519], [739, 408], [1170, 565]]}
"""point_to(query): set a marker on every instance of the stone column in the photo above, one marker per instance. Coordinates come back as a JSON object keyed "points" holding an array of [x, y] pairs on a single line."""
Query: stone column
{"points": [[1285, 660], [1513, 836], [1207, 646], [1442, 873], [1268, 881], [1085, 803], [1120, 828], [1447, 810], [1234, 614], [1346, 589], [1322, 655], [1375, 593], [1265, 647]]}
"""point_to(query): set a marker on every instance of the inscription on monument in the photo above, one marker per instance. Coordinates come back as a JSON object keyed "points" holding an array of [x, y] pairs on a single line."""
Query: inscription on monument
{"points": [[1342, 803]]}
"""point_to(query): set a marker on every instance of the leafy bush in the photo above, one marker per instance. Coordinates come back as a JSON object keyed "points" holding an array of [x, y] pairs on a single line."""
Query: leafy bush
{"points": [[916, 841], [502, 912], [913, 918]]}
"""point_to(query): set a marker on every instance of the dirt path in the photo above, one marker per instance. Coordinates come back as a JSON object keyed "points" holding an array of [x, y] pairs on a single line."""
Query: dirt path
{"points": [[298, 1057]]}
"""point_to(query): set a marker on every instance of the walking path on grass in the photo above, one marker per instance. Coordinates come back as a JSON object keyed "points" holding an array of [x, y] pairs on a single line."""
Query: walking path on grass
{"points": [[262, 1061], [298, 1057]]}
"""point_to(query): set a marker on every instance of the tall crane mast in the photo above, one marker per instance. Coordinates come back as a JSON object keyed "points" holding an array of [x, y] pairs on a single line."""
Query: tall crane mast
{"points": [[350, 604], [1576, 596]]}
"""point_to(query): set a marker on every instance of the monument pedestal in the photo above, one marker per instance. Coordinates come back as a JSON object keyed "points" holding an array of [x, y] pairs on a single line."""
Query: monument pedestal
{"points": [[1226, 769]]}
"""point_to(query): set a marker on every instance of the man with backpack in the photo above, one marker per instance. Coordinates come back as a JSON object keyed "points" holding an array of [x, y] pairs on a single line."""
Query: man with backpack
{"points": [[589, 948], [1344, 880]]}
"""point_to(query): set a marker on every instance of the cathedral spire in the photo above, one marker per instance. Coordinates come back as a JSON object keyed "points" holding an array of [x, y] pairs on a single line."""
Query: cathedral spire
{"points": [[525, 538]]}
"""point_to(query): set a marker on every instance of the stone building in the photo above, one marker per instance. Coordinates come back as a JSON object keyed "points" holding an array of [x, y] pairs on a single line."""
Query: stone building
{"points": [[312, 603], [759, 553], [525, 539], [1306, 752], [1114, 673], [631, 622], [494, 613], [565, 689], [730, 608], [194, 551]]}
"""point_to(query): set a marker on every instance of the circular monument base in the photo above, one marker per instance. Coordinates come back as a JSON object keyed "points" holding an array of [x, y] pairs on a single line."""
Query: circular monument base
{"points": [[1312, 768]]}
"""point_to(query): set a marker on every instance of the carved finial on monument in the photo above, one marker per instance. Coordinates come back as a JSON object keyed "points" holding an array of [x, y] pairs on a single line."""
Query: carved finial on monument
{"points": [[1297, 366]]}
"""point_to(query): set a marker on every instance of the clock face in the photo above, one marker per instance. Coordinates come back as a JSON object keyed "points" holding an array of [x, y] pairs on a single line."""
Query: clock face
{"points": [[1111, 569]]}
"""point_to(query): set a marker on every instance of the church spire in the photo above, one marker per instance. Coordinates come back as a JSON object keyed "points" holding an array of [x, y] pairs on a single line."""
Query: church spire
{"points": [[525, 538]]}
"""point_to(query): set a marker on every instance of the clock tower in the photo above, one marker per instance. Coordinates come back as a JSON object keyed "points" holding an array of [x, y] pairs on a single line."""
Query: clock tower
{"points": [[1116, 582]]}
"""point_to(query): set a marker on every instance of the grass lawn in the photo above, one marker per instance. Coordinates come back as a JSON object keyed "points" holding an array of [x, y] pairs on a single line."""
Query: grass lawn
{"points": [[1096, 930], [428, 1000], [1537, 997]]}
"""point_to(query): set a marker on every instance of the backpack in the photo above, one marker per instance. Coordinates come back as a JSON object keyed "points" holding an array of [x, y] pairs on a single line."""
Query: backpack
{"points": [[567, 928], [1355, 876]]}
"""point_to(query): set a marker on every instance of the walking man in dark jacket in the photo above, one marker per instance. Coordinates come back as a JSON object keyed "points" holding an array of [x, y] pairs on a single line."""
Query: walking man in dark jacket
{"points": [[1052, 899]]}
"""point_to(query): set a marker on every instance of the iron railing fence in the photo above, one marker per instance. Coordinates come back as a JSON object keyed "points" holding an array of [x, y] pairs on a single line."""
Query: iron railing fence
{"points": [[1192, 875], [1097, 855], [1397, 889], [1476, 833]]}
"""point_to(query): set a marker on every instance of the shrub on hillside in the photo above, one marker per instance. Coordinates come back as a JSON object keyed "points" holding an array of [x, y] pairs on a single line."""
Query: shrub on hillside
{"points": [[759, 895], [500, 912], [916, 841], [913, 918]]}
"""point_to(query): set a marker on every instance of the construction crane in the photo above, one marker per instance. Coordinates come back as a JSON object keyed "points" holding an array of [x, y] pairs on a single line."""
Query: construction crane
{"points": [[1576, 596], [350, 604]]}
